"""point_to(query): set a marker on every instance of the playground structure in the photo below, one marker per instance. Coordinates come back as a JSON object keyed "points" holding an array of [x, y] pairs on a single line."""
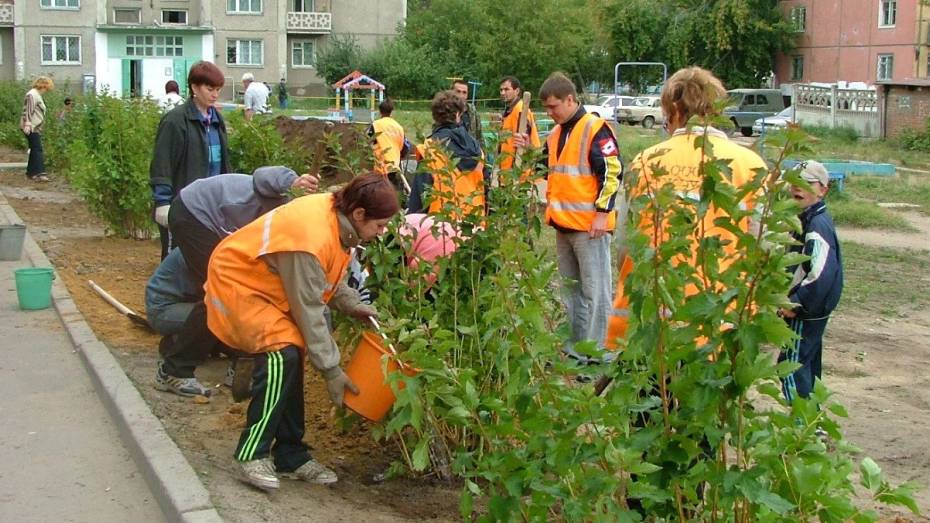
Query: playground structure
{"points": [[344, 87]]}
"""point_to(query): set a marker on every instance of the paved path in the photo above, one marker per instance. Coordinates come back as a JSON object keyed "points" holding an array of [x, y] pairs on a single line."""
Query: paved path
{"points": [[61, 457]]}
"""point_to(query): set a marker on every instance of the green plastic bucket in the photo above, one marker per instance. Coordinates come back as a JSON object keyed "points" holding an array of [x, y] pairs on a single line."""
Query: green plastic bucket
{"points": [[34, 288]]}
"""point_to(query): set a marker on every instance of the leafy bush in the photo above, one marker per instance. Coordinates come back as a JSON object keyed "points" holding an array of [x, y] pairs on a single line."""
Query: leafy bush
{"points": [[11, 109], [694, 425], [915, 140], [109, 154]]}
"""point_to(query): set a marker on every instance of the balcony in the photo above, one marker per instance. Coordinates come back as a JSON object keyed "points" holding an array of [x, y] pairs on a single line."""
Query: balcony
{"points": [[309, 22], [6, 14]]}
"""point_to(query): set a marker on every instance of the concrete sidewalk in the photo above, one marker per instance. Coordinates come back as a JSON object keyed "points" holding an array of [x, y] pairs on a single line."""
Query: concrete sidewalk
{"points": [[61, 456]]}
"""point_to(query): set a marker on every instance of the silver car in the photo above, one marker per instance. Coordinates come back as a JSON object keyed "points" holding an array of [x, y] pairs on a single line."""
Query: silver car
{"points": [[774, 123]]}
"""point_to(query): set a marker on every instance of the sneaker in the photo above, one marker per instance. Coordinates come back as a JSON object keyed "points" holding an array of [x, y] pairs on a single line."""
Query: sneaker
{"points": [[187, 387], [312, 472], [822, 434], [259, 473], [239, 378]]}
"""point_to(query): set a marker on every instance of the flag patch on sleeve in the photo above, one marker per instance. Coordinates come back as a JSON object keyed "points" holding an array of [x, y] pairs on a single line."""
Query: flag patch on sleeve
{"points": [[608, 147]]}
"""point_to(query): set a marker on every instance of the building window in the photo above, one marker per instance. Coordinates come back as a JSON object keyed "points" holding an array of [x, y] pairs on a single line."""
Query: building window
{"points": [[887, 13], [244, 6], [885, 67], [61, 50], [304, 6], [797, 68], [173, 16], [244, 52], [302, 54], [60, 4], [150, 45], [127, 16], [799, 18]]}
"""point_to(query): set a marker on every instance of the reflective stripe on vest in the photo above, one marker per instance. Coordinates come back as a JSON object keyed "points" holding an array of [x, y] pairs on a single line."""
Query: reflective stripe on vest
{"points": [[247, 305], [573, 186], [389, 140], [509, 124]]}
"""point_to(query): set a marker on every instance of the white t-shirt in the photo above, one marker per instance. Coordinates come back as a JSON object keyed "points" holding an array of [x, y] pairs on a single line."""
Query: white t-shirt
{"points": [[170, 101], [256, 96]]}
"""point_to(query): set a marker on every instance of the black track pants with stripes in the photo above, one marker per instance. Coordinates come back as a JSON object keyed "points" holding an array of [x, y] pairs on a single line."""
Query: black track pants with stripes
{"points": [[807, 350], [275, 419]]}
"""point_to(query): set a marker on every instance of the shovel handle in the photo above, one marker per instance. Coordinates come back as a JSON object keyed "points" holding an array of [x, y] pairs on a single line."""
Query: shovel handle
{"points": [[383, 336]]}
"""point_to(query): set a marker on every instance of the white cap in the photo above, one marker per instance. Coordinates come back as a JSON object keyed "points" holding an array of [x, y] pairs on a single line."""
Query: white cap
{"points": [[248, 77], [814, 171]]}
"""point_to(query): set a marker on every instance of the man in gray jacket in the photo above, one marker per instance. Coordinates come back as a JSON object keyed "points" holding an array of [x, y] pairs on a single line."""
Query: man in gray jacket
{"points": [[205, 212]]}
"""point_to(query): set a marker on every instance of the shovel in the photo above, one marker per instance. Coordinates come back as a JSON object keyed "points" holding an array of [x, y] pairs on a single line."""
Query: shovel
{"points": [[124, 310]]}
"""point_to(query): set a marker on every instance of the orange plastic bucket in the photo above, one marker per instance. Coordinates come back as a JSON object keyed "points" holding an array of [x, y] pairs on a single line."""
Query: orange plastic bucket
{"points": [[375, 396]]}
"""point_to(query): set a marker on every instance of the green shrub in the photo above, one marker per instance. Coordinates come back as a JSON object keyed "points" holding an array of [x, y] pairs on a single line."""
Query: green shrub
{"points": [[109, 155], [694, 426], [11, 109]]}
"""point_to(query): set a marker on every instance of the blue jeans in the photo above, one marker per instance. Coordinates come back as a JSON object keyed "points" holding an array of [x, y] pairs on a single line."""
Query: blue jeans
{"points": [[585, 263]]}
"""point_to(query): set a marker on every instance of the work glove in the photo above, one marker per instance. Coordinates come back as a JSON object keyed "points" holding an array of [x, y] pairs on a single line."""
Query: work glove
{"points": [[336, 384], [161, 215], [363, 311]]}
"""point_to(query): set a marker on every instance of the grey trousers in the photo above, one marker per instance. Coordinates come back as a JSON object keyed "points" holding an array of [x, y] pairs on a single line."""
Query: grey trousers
{"points": [[584, 264]]}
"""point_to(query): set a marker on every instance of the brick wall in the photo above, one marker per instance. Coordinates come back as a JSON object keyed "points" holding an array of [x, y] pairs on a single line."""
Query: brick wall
{"points": [[908, 107]]}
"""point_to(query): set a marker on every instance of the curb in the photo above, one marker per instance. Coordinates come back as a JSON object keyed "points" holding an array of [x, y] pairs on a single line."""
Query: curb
{"points": [[174, 483]]}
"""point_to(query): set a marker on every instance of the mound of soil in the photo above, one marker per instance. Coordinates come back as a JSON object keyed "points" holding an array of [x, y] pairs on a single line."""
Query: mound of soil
{"points": [[352, 141]]}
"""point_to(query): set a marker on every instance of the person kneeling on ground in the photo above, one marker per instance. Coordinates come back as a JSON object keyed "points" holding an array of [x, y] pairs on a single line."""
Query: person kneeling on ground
{"points": [[205, 212], [174, 308], [267, 286], [817, 284]]}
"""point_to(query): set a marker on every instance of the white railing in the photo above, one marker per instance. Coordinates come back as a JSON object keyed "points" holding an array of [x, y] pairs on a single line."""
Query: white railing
{"points": [[309, 22], [833, 107]]}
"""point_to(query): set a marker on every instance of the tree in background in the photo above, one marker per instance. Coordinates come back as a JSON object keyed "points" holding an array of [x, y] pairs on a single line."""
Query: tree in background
{"points": [[736, 39], [487, 39]]}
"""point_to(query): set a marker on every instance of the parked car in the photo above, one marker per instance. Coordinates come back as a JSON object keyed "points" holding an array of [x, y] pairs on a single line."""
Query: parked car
{"points": [[606, 106], [646, 110], [774, 123], [748, 105]]}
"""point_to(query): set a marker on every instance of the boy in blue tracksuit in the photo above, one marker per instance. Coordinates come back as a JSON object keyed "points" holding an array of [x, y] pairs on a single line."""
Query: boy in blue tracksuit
{"points": [[817, 284]]}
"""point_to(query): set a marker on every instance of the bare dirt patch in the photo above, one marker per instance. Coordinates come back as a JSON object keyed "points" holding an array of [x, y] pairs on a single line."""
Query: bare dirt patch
{"points": [[893, 239], [207, 433]]}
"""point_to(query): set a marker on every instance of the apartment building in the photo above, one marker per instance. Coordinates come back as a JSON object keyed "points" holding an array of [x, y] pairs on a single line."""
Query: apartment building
{"points": [[135, 46], [855, 41]]}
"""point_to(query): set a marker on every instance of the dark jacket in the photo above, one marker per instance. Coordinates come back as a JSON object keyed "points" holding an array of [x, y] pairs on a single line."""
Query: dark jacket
{"points": [[462, 147], [181, 154], [818, 282]]}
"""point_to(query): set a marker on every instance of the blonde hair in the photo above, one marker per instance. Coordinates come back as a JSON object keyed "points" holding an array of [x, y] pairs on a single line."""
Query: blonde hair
{"points": [[43, 82], [692, 91]]}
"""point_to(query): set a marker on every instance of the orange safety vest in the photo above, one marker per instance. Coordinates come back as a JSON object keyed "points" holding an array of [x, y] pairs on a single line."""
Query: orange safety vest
{"points": [[680, 160], [573, 187], [389, 141], [464, 190], [247, 307], [509, 125]]}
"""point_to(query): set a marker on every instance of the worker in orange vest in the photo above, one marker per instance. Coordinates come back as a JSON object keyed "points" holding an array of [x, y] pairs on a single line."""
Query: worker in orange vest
{"points": [[454, 164], [584, 177], [389, 143], [267, 286], [511, 92], [690, 92]]}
